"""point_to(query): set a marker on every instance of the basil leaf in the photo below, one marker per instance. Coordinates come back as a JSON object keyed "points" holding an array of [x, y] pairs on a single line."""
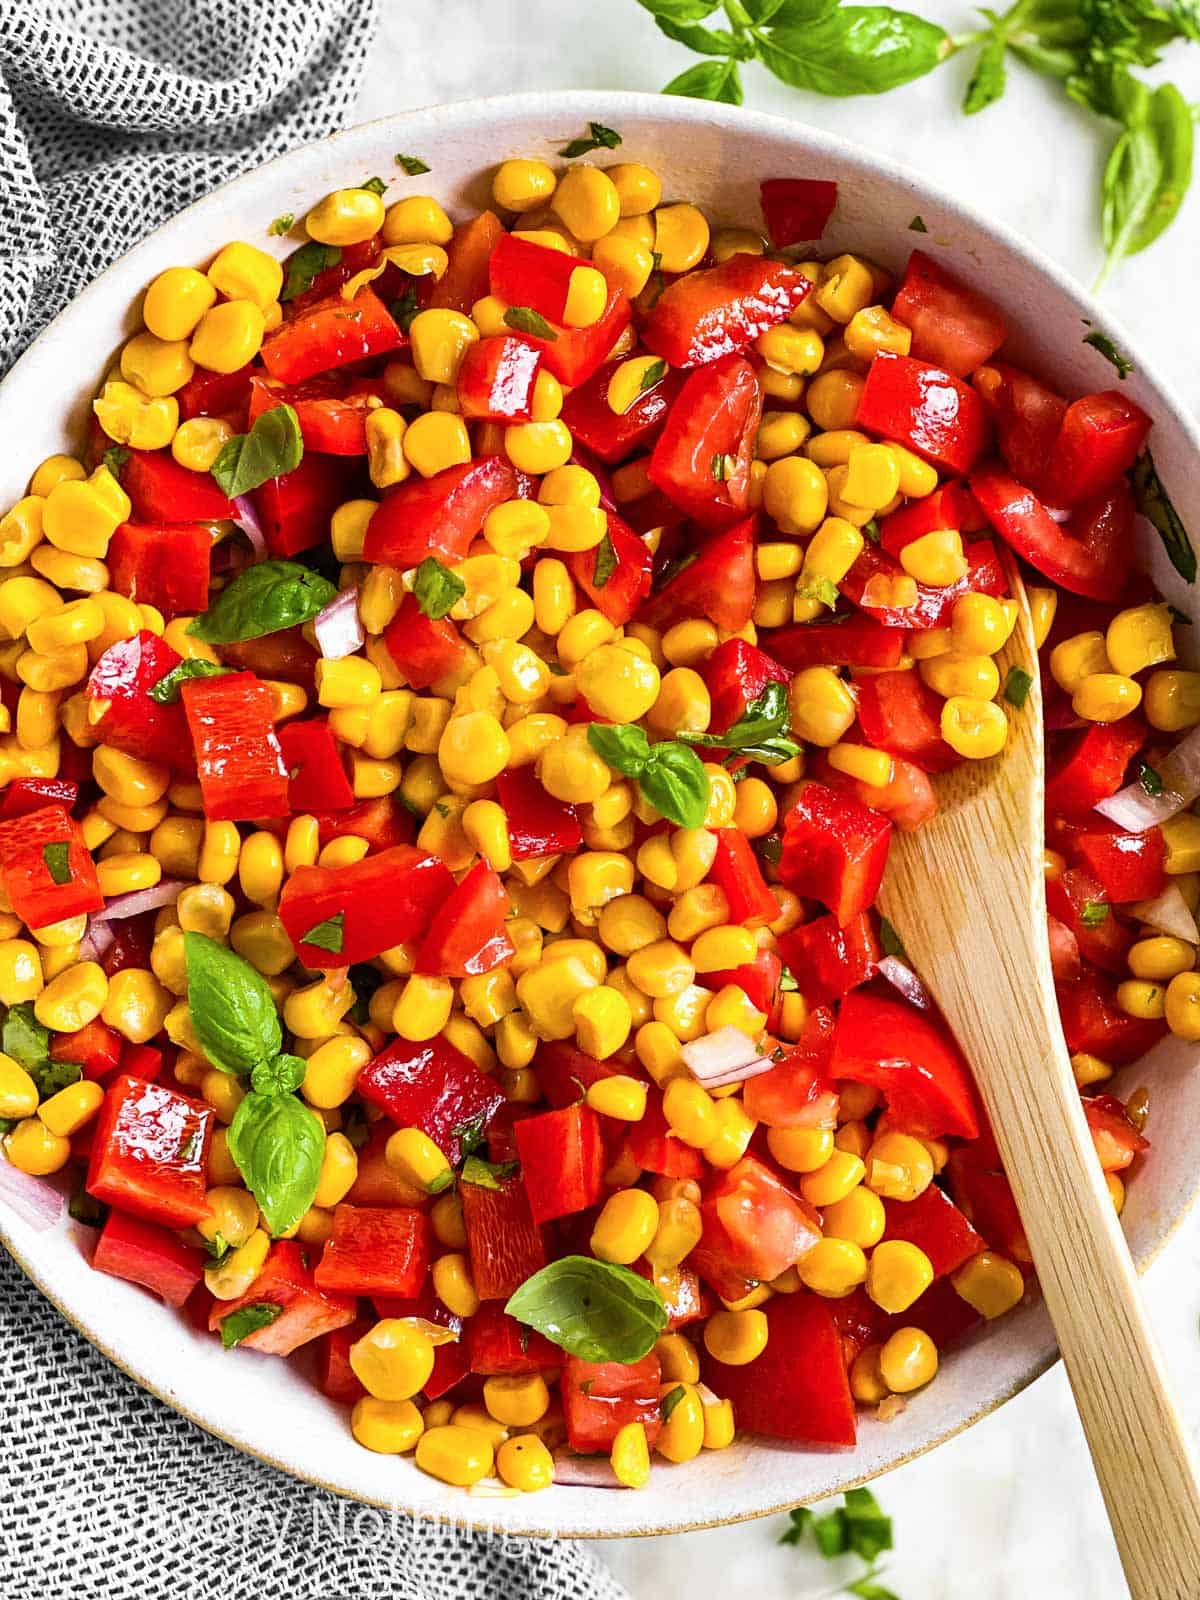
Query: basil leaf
{"points": [[823, 590], [470, 1134], [1093, 913], [1148, 173], [831, 1535], [83, 1207], [598, 138], [800, 1520], [670, 1400], [1150, 780], [266, 598], [24, 1038], [1154, 502], [622, 744], [787, 981], [605, 563], [675, 782], [990, 76], [680, 10], [709, 80], [57, 857], [166, 691], [282, 224], [763, 717], [855, 50], [413, 165], [272, 447], [436, 589], [526, 320], [865, 1588], [375, 186], [239, 1325], [704, 41], [277, 1145], [1017, 686], [1109, 351], [303, 265], [893, 944], [403, 310], [591, 1309], [280, 1076], [868, 1530], [487, 1174], [232, 1010], [917, 225], [328, 935], [654, 373], [114, 458]]}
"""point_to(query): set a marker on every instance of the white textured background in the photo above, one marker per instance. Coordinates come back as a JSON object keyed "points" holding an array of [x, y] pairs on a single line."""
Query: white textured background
{"points": [[1009, 1511]]}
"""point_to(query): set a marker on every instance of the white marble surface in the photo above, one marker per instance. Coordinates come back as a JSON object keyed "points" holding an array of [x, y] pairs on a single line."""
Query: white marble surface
{"points": [[1009, 1509]]}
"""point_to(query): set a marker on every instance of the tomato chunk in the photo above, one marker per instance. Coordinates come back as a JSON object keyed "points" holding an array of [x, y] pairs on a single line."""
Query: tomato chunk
{"points": [[1130, 866], [707, 315], [467, 936], [438, 516], [238, 759], [294, 509], [498, 1344], [834, 850], [434, 1087], [165, 565], [701, 460], [951, 506], [375, 1250], [899, 712], [562, 1161], [754, 1228], [612, 437], [522, 272], [717, 581], [1116, 1138], [796, 209], [735, 869], [1078, 901], [852, 642], [912, 1058], [47, 870], [1093, 767], [23, 795], [932, 607], [504, 1242], [1094, 1023], [953, 325], [162, 492], [332, 420], [330, 333], [496, 380], [926, 408], [150, 1153], [143, 1253], [466, 277], [935, 1225], [735, 674], [797, 1092], [1098, 440], [653, 1146], [1090, 555], [827, 960], [601, 1397], [574, 354], [364, 907], [308, 1310]]}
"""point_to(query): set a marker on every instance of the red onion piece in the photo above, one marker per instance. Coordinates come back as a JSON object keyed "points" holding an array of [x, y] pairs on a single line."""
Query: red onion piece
{"points": [[707, 1397], [96, 940], [753, 1069], [247, 521], [33, 1199], [1134, 810], [726, 1056], [138, 900], [585, 1472], [1168, 912], [904, 979], [338, 629]]}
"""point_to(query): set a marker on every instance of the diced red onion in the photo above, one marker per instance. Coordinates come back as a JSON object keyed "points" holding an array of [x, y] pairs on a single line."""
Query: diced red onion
{"points": [[33, 1199], [585, 1472], [904, 979], [753, 1069], [1168, 912], [247, 521], [1134, 810], [96, 940], [338, 629], [719, 1055], [133, 904], [707, 1397]]}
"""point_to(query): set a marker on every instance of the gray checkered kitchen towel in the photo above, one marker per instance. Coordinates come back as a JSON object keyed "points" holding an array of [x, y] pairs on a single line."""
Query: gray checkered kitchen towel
{"points": [[114, 114]]}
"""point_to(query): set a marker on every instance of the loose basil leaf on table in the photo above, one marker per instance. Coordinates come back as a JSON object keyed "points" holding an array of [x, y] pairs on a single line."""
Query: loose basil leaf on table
{"points": [[232, 1009], [591, 1309], [266, 598], [277, 1145], [273, 446]]}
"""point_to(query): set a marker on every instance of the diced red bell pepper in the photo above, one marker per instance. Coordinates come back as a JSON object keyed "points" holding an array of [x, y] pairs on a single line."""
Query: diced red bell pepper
{"points": [[758, 980], [121, 680], [504, 1243], [496, 380], [595, 425], [382, 822], [150, 1153], [433, 1087], [796, 210], [467, 935], [47, 870], [797, 1091], [335, 1376], [827, 960], [735, 870], [317, 780], [717, 582], [701, 460], [935, 1225], [423, 648], [600, 1398], [1098, 440], [538, 824], [932, 607], [377, 1184], [96, 1047], [908, 798], [562, 1161], [308, 1311], [899, 712], [1093, 767], [1116, 1138], [522, 272], [912, 1058], [161, 491], [953, 325], [332, 421], [735, 674], [238, 759], [834, 850], [655, 1149], [500, 1346], [216, 394], [385, 899], [797, 1388], [165, 565], [565, 1073], [951, 506], [753, 1228], [627, 584], [1105, 943], [985, 1198], [23, 795], [574, 354], [294, 509], [143, 1253], [465, 279], [853, 642], [373, 1250], [1094, 1023], [1090, 555], [1027, 415], [927, 409], [719, 311], [438, 516], [1130, 866], [331, 333], [142, 1061]]}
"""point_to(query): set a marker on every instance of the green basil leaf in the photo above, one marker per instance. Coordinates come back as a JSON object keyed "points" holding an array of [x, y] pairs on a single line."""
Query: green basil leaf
{"points": [[654, 373], [1109, 351], [762, 718], [990, 76], [375, 186], [605, 564], [488, 1174], [1017, 686], [787, 981], [679, 10], [1150, 780], [277, 1145], [413, 165], [328, 935], [800, 1520], [232, 1010], [868, 1530], [303, 265], [709, 80], [403, 310], [1154, 502], [239, 1325], [789, 13], [272, 447], [675, 783], [830, 1533], [85, 1208], [57, 857], [917, 225], [266, 598], [166, 691], [24, 1038], [436, 589], [1148, 172], [704, 41], [622, 744], [855, 50], [470, 1134], [893, 944], [591, 1309], [670, 1400], [598, 138], [281, 1075], [282, 224], [1093, 913], [524, 319], [114, 458], [823, 590], [865, 1588]]}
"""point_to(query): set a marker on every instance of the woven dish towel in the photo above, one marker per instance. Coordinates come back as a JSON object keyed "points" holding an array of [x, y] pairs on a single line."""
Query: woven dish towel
{"points": [[114, 114]]}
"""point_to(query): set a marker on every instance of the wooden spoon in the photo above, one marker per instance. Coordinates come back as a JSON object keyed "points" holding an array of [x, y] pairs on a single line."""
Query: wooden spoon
{"points": [[967, 895]]}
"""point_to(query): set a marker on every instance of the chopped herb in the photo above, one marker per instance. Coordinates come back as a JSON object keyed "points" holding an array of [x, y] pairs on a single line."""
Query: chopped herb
{"points": [[57, 857], [1150, 780], [114, 458], [470, 1134], [265, 598], [858, 1526], [670, 775], [770, 848], [893, 944], [670, 1400], [526, 320], [282, 224], [1093, 913], [1017, 686], [1154, 502], [869, 1532], [413, 165], [218, 1247], [303, 265], [674, 567], [823, 590], [598, 138], [487, 1174], [239, 1325], [865, 1588], [787, 981], [83, 1207], [606, 562], [917, 225], [1111, 354], [375, 186], [871, 530], [759, 734], [328, 935], [654, 373], [441, 1183], [436, 589], [166, 691], [404, 309], [800, 1519], [723, 466]]}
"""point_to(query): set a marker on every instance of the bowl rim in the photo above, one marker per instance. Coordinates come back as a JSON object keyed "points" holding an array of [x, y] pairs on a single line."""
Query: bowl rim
{"points": [[733, 121]]}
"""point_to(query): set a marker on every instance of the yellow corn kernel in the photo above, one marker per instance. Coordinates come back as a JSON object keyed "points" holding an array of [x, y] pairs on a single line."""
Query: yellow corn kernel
{"points": [[423, 1008], [331, 1071], [434, 441], [833, 1268], [80, 518], [872, 477], [314, 1011], [72, 999], [990, 1284], [223, 1093], [176, 301], [136, 1004], [71, 1108], [518, 1401], [639, 188], [660, 969], [795, 495], [822, 706], [832, 399], [54, 469], [899, 1167], [726, 945], [681, 236], [806, 1150], [630, 1456], [847, 287], [908, 1360], [631, 380], [1106, 697], [21, 529], [736, 1337], [935, 559], [603, 1021], [625, 263], [1140, 637], [979, 625], [157, 367], [455, 1454], [587, 203], [394, 1360], [951, 674], [548, 993], [833, 1180], [1137, 998], [452, 1282], [523, 185], [417, 219], [974, 728], [625, 1227], [347, 216], [790, 350], [35, 1149], [1172, 700], [1161, 958], [1074, 660], [388, 1427], [587, 297], [473, 749], [339, 1169], [228, 336], [899, 1273], [874, 329], [525, 1463], [243, 272]]}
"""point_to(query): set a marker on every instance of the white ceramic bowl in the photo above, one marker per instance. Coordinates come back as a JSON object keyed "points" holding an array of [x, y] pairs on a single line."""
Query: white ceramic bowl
{"points": [[714, 155]]}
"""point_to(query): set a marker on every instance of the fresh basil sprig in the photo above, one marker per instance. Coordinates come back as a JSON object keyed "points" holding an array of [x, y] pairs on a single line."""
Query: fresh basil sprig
{"points": [[232, 1009], [670, 775], [273, 446], [264, 599], [591, 1309], [759, 734], [277, 1145]]}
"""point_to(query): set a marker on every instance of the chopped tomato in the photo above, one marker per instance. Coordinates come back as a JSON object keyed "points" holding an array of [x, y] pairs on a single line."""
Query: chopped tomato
{"points": [[363, 908], [710, 315], [466, 277], [797, 1092], [601, 1397], [500, 1346], [715, 581], [23, 795], [899, 712], [736, 871], [1090, 555], [1027, 415], [908, 799], [912, 1058], [735, 674], [143, 1253], [1097, 443], [294, 509], [985, 1198], [522, 272], [953, 325], [610, 436], [466, 936], [834, 850], [332, 420], [796, 210], [574, 354], [828, 961], [753, 1228], [932, 412], [330, 333], [951, 506], [1093, 767], [1117, 1139], [125, 715], [1130, 866], [655, 1149], [852, 641], [424, 648], [702, 458], [538, 824], [562, 1161], [936, 1226], [496, 380], [438, 516], [46, 868], [875, 569], [161, 491], [1078, 901], [95, 1046], [317, 780], [1094, 1023]]}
